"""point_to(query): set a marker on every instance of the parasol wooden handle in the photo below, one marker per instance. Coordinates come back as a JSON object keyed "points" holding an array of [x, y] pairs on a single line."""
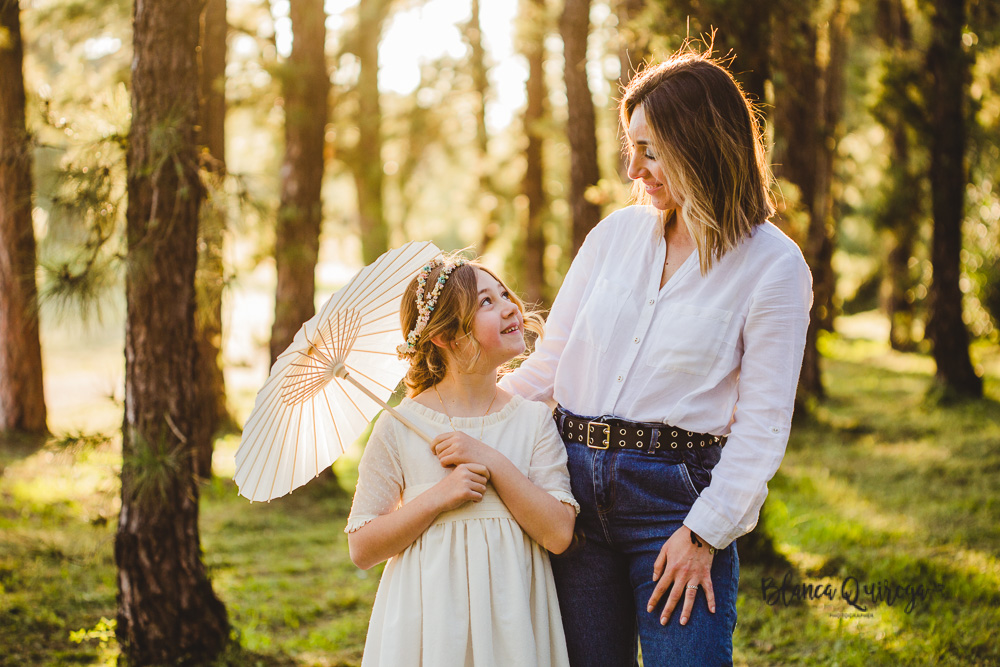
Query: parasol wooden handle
{"points": [[413, 427]]}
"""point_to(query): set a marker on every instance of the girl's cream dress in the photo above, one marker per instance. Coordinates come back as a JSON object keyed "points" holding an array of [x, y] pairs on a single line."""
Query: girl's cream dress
{"points": [[474, 589]]}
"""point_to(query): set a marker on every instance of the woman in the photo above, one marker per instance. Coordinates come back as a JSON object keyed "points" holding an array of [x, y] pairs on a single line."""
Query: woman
{"points": [[673, 350]]}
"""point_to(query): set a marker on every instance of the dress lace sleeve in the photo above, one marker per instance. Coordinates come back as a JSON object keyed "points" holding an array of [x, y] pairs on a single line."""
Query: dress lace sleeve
{"points": [[380, 477], [548, 469]]}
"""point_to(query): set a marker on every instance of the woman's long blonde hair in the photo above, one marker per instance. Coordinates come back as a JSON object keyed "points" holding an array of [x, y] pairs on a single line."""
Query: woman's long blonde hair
{"points": [[705, 134], [451, 319]]}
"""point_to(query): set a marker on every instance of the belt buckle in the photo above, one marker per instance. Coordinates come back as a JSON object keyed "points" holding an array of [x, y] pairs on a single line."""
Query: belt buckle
{"points": [[607, 435]]}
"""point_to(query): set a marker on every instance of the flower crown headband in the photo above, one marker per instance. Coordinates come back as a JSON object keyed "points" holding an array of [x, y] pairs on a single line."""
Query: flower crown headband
{"points": [[425, 308]]}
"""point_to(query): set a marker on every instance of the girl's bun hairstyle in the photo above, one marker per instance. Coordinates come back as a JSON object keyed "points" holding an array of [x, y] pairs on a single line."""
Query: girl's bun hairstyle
{"points": [[451, 319], [707, 139]]}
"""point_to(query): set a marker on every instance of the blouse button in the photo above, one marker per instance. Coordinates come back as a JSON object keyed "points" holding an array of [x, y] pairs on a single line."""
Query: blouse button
{"points": [[636, 340], [619, 378], [651, 302]]}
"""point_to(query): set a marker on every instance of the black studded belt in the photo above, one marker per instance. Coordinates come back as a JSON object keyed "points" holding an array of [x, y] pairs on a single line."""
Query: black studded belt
{"points": [[606, 432]]}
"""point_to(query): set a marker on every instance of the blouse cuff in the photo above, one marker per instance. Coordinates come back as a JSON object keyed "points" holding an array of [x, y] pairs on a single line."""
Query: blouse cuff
{"points": [[567, 498], [356, 523], [711, 526]]}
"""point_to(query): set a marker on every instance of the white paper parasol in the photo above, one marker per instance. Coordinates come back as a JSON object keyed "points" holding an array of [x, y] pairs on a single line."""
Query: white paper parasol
{"points": [[331, 381]]}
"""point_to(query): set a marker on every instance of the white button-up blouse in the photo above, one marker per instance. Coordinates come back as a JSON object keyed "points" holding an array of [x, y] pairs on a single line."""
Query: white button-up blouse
{"points": [[718, 353]]}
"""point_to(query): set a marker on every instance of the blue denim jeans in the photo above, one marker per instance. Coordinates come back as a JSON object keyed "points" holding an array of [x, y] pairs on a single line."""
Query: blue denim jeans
{"points": [[631, 502]]}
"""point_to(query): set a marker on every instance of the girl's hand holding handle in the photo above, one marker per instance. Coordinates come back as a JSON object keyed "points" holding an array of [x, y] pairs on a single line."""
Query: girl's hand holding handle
{"points": [[466, 482], [683, 566], [456, 448]]}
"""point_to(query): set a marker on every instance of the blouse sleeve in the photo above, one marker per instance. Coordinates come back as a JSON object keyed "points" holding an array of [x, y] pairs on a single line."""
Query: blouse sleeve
{"points": [[535, 378], [774, 337], [548, 469], [380, 477]]}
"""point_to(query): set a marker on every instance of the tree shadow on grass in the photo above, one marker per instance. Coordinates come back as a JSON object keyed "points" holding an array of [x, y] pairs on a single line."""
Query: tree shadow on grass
{"points": [[17, 445], [949, 623]]}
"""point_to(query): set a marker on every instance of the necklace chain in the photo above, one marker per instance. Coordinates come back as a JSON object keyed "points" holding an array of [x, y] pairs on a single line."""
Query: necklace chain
{"points": [[482, 428]]}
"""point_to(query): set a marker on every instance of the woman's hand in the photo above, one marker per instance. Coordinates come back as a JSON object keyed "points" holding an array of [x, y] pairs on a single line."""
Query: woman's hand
{"points": [[466, 482], [684, 564], [456, 448]]}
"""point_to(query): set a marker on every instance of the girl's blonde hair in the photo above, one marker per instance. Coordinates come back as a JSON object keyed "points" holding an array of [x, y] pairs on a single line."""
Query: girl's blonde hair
{"points": [[705, 134], [451, 319]]}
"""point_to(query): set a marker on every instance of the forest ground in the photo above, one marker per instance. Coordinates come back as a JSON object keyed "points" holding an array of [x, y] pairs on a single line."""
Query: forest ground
{"points": [[880, 488]]}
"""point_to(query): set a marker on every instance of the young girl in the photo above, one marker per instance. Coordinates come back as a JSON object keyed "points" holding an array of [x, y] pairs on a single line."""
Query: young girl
{"points": [[465, 522]]}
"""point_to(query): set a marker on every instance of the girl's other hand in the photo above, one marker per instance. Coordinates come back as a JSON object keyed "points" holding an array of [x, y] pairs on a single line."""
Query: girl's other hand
{"points": [[683, 566], [466, 482], [456, 448]]}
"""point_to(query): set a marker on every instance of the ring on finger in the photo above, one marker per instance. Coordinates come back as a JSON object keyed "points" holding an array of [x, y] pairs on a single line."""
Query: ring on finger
{"points": [[693, 587]]}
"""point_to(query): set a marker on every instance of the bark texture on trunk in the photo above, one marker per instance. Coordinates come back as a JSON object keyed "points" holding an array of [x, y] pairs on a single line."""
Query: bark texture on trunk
{"points": [[633, 52], [900, 218], [581, 126], [296, 250], [808, 104], [532, 185], [167, 610], [210, 279], [367, 162], [22, 399], [486, 202], [949, 67]]}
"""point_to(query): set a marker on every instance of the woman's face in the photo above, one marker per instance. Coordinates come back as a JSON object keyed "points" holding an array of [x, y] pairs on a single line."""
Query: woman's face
{"points": [[643, 164]]}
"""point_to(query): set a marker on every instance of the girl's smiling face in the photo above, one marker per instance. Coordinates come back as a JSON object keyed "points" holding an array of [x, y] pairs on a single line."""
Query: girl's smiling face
{"points": [[498, 325], [643, 164]]}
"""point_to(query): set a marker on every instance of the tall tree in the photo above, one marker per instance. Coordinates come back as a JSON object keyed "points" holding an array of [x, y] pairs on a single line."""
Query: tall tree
{"points": [[745, 35], [900, 213], [167, 610], [22, 400], [808, 102], [949, 69], [300, 214], [533, 24], [633, 44], [486, 196], [633, 51], [580, 126], [210, 280], [366, 162]]}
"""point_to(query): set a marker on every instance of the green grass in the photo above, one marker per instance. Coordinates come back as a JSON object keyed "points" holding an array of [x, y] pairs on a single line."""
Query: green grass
{"points": [[878, 484], [883, 486]]}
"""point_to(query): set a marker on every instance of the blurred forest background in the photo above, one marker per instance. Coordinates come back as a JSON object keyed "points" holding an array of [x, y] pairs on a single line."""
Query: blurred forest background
{"points": [[187, 180]]}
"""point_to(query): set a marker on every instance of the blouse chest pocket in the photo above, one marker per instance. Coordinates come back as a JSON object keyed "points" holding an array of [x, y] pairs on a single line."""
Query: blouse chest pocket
{"points": [[688, 339], [601, 312]]}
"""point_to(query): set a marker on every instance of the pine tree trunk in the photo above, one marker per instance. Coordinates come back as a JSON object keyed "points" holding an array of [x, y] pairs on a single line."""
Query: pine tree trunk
{"points": [[798, 132], [486, 202], [901, 217], [167, 611], [580, 127], [532, 185], [633, 46], [633, 51], [22, 400], [744, 35], [808, 106], [949, 68], [307, 87], [210, 279], [367, 162]]}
